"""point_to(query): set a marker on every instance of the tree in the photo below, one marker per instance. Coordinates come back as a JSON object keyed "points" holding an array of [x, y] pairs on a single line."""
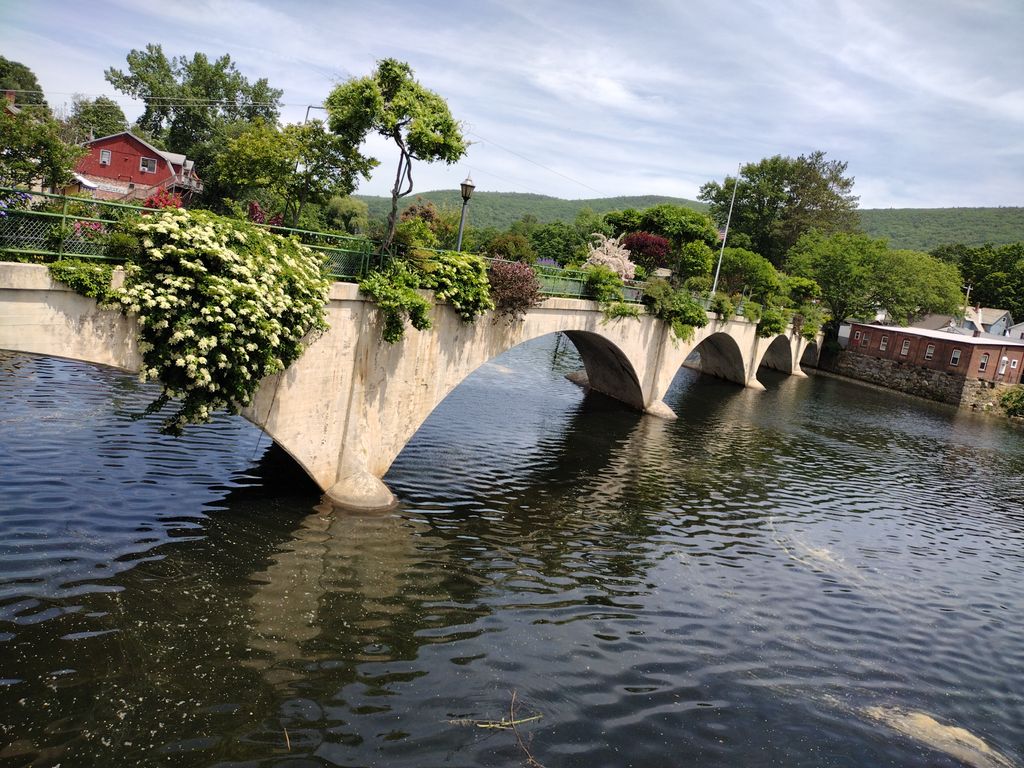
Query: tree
{"points": [[623, 222], [746, 271], [695, 259], [558, 243], [348, 214], [859, 275], [15, 76], [678, 224], [780, 198], [392, 103], [31, 150], [187, 100], [511, 247], [94, 118], [300, 163], [996, 274]]}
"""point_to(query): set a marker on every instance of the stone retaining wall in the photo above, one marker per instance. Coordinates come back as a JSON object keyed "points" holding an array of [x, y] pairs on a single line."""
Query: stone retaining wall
{"points": [[922, 382]]}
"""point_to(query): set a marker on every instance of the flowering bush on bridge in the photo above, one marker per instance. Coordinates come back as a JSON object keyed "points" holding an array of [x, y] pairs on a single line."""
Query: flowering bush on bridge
{"points": [[221, 304]]}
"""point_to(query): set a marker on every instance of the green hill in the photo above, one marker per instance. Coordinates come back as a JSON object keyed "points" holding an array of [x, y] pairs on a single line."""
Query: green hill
{"points": [[915, 228], [922, 229], [501, 209]]}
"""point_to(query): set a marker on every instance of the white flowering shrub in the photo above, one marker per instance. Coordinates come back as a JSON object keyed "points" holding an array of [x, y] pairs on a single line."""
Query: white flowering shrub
{"points": [[608, 252], [221, 304]]}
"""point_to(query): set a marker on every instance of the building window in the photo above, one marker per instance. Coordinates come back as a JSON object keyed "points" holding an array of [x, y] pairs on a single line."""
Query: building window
{"points": [[929, 352], [1013, 364], [864, 341], [954, 359], [104, 157], [906, 347], [1002, 365], [984, 362], [856, 335], [883, 344], [147, 164]]}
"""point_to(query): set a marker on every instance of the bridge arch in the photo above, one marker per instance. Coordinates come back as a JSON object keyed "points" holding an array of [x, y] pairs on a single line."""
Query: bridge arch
{"points": [[779, 355], [721, 356]]}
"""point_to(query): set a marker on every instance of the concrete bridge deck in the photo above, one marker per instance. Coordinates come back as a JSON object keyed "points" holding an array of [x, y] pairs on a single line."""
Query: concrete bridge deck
{"points": [[348, 406]]}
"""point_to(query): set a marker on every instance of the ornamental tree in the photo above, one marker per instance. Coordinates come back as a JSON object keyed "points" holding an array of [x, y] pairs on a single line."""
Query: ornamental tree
{"points": [[647, 250], [392, 103]]}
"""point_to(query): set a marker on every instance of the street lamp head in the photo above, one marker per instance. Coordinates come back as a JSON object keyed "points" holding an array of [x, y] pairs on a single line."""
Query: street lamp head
{"points": [[467, 189]]}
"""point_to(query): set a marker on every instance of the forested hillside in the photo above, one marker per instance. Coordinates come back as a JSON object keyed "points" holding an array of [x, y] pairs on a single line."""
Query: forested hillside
{"points": [[919, 229], [925, 228], [500, 209]]}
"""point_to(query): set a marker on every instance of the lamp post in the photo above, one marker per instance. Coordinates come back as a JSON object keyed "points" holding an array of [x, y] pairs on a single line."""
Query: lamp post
{"points": [[467, 192]]}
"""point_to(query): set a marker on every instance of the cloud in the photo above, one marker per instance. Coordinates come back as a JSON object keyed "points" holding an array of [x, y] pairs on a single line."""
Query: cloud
{"points": [[660, 96]]}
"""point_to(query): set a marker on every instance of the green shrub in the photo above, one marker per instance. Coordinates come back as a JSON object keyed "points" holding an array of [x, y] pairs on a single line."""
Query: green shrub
{"points": [[751, 311], [221, 304], [675, 307], [393, 290], [122, 247], [459, 279], [1012, 400], [603, 284], [722, 306], [808, 319], [616, 310], [89, 278], [773, 322]]}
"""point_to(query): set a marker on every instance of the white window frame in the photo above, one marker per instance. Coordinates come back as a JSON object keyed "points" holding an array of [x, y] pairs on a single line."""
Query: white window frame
{"points": [[905, 349], [143, 165], [1013, 364], [104, 157], [883, 344], [929, 352], [1002, 366], [865, 340], [983, 363], [856, 335], [954, 358]]}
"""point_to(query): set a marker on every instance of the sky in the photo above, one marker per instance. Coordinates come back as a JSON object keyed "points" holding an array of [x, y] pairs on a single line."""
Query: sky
{"points": [[924, 99]]}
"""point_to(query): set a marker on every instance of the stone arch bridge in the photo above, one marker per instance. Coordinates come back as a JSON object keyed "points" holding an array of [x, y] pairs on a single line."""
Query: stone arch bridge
{"points": [[348, 406]]}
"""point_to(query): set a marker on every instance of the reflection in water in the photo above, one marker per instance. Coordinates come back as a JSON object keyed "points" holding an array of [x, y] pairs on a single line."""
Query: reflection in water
{"points": [[746, 585]]}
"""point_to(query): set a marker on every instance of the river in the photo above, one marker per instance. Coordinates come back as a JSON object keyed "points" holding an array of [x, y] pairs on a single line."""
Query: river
{"points": [[820, 574]]}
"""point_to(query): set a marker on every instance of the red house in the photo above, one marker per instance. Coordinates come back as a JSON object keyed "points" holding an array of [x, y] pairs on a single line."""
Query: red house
{"points": [[125, 167]]}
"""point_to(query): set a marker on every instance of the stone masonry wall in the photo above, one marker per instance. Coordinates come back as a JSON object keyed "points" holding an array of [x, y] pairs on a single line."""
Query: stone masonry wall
{"points": [[903, 377]]}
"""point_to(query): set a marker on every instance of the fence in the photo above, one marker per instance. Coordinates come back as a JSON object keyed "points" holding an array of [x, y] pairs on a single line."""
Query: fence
{"points": [[45, 227]]}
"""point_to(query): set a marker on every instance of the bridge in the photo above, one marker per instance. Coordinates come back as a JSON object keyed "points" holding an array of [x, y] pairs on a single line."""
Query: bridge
{"points": [[348, 406]]}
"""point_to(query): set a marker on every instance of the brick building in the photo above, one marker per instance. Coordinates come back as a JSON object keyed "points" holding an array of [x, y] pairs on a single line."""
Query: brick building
{"points": [[985, 358]]}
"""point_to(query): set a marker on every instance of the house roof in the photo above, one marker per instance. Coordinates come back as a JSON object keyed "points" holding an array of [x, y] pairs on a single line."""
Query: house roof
{"points": [[986, 315], [934, 322], [988, 339]]}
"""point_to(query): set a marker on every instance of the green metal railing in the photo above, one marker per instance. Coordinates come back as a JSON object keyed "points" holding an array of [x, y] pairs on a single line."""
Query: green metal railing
{"points": [[46, 227]]}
